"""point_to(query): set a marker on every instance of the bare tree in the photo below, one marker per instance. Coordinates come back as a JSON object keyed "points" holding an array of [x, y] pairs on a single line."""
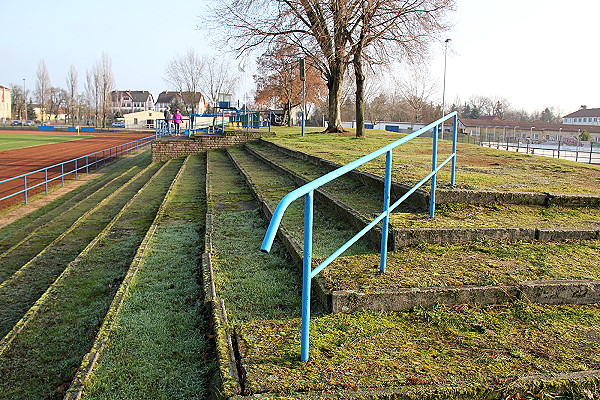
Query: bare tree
{"points": [[19, 101], [217, 78], [72, 93], [316, 28], [92, 94], [388, 29], [56, 101], [184, 73], [107, 85], [416, 93], [42, 87], [99, 85], [335, 33]]}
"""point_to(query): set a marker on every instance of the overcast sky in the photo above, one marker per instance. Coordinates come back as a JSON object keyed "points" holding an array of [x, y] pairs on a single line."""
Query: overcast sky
{"points": [[534, 53]]}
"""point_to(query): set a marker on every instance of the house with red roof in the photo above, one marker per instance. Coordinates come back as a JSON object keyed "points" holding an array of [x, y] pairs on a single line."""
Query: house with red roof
{"points": [[583, 116]]}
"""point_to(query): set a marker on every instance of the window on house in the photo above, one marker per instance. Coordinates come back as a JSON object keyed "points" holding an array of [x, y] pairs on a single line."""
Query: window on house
{"points": [[135, 121]]}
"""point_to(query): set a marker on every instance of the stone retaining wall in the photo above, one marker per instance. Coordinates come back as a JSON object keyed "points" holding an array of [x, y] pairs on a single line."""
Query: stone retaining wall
{"points": [[168, 148]]}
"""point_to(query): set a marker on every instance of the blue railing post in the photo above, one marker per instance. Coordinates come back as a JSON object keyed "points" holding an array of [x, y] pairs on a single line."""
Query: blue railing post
{"points": [[454, 140], [46, 180], [387, 187], [433, 168], [62, 175], [75, 169], [307, 191], [306, 275], [25, 188]]}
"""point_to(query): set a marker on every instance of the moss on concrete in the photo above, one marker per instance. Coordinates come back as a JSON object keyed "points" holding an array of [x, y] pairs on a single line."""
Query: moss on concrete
{"points": [[441, 353], [478, 263]]}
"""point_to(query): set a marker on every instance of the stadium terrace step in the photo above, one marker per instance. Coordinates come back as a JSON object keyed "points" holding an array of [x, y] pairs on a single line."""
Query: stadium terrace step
{"points": [[420, 199], [23, 287], [482, 272], [463, 352], [270, 186], [42, 351], [52, 231], [154, 317], [459, 223], [241, 283], [14, 233]]}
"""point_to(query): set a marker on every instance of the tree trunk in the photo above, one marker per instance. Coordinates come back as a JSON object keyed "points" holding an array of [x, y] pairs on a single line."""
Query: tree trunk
{"points": [[334, 84], [360, 96]]}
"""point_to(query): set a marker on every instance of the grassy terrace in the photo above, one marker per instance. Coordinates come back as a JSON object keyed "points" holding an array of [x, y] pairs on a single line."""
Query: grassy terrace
{"points": [[254, 286], [13, 233], [329, 232], [444, 352], [78, 215], [68, 315], [22, 288], [498, 215], [479, 263], [159, 347], [449, 353], [477, 167]]}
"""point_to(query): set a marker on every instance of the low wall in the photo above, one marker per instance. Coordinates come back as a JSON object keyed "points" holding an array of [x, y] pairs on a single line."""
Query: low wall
{"points": [[167, 148]]}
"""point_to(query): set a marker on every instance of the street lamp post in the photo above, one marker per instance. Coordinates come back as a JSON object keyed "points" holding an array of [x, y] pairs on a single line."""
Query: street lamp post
{"points": [[444, 85], [515, 136], [24, 112], [303, 79]]}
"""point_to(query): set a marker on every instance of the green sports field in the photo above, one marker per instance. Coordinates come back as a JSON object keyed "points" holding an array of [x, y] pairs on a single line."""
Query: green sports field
{"points": [[17, 141]]}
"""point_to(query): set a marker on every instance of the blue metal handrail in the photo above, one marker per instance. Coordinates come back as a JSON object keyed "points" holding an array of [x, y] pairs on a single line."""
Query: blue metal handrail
{"points": [[225, 118], [129, 147], [308, 189]]}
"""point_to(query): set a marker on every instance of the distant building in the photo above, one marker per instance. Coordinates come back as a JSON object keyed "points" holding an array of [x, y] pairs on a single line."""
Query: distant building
{"points": [[486, 129], [5, 104], [390, 126], [130, 101], [142, 119], [186, 99], [583, 116]]}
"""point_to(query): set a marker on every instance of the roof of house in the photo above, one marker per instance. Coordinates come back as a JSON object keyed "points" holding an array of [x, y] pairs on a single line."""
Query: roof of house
{"points": [[4, 87], [167, 97], [584, 112], [537, 126], [138, 96]]}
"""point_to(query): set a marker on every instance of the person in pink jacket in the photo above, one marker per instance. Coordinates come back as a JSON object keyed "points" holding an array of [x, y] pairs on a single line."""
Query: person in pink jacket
{"points": [[177, 119]]}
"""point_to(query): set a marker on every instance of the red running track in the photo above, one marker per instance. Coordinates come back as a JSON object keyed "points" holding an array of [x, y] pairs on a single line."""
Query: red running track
{"points": [[20, 161]]}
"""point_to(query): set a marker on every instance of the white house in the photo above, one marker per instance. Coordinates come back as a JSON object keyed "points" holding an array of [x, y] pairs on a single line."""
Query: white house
{"points": [[583, 116], [5, 104], [142, 119], [130, 101], [186, 99]]}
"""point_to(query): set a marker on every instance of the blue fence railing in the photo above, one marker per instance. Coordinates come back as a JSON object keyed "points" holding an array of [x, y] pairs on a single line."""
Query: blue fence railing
{"points": [[308, 192], [226, 120], [45, 176]]}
